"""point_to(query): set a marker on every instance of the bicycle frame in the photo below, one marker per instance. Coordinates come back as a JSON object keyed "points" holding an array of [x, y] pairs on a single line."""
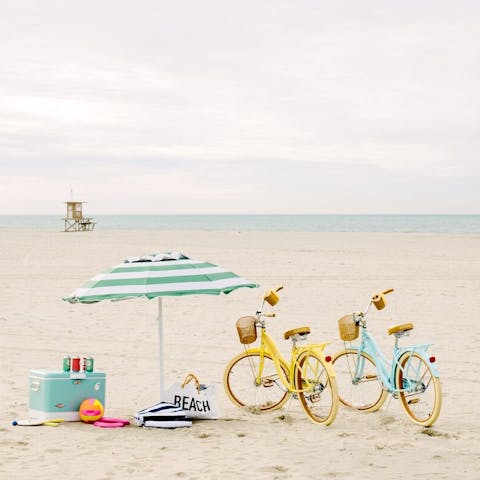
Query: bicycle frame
{"points": [[268, 347], [387, 371]]}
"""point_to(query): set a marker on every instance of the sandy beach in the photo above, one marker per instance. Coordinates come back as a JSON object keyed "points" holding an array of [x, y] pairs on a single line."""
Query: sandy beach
{"points": [[436, 278]]}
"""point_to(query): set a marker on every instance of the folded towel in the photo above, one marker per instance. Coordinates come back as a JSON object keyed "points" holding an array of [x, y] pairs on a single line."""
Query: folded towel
{"points": [[162, 415]]}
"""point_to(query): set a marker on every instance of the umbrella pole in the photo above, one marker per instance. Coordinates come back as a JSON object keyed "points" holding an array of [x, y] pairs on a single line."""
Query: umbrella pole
{"points": [[160, 343]]}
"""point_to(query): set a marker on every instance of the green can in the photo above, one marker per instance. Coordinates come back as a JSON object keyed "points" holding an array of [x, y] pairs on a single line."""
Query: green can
{"points": [[89, 364], [67, 361]]}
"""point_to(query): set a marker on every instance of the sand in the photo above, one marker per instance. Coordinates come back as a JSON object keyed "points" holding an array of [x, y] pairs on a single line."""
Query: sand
{"points": [[436, 280]]}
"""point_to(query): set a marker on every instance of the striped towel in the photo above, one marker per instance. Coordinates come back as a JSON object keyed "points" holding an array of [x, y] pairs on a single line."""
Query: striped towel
{"points": [[162, 415]]}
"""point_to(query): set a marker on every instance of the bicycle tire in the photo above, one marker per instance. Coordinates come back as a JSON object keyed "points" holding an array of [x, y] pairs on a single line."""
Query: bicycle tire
{"points": [[239, 381], [422, 400], [318, 392], [366, 395]]}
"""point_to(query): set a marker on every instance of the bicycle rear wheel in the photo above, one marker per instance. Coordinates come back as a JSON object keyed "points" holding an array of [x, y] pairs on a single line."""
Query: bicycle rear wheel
{"points": [[364, 393], [421, 397], [241, 386], [318, 391]]}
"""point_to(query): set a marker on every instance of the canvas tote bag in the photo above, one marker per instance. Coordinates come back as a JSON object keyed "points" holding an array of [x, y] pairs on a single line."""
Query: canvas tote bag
{"points": [[198, 400]]}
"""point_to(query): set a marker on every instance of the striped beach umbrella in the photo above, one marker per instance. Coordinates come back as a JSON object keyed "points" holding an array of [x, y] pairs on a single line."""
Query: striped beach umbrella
{"points": [[156, 276]]}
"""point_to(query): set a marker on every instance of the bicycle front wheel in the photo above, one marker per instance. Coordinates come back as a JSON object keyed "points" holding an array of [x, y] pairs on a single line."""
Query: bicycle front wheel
{"points": [[420, 391], [318, 391], [256, 390], [358, 383]]}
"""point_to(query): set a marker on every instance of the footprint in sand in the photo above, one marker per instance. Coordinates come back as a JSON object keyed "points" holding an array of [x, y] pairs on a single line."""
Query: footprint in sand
{"points": [[435, 433], [53, 450], [207, 435]]}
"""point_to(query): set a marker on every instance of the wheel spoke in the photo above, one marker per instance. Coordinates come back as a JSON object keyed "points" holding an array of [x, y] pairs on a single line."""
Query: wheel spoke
{"points": [[246, 388], [421, 395], [358, 382], [318, 391]]}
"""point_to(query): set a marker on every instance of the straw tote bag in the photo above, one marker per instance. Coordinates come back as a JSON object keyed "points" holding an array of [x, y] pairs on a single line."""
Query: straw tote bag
{"points": [[198, 400]]}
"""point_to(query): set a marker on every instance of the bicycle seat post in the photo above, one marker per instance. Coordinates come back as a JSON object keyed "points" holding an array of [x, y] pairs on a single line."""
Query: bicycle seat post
{"points": [[397, 335], [297, 334]]}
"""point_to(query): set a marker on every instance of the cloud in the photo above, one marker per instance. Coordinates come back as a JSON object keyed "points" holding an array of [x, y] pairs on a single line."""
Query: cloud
{"points": [[273, 186], [237, 89]]}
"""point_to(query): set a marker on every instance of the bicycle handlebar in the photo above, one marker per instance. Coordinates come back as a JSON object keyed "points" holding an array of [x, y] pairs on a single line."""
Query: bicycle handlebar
{"points": [[272, 299], [378, 300]]}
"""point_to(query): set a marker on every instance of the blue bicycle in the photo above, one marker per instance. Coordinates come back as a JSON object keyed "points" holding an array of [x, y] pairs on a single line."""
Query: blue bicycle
{"points": [[365, 377]]}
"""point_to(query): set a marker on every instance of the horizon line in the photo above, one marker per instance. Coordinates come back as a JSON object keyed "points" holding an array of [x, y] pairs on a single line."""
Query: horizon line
{"points": [[245, 214]]}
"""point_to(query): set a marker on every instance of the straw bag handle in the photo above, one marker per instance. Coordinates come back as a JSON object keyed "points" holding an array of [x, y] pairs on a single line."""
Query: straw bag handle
{"points": [[189, 378]]}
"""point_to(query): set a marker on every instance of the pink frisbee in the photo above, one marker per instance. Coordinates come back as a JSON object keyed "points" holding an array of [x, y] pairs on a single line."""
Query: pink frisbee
{"points": [[110, 422]]}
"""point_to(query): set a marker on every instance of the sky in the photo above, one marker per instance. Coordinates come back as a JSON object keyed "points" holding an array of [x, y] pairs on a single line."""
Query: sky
{"points": [[205, 107]]}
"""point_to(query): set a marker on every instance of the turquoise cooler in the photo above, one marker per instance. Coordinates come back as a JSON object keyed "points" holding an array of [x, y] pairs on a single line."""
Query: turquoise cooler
{"points": [[55, 394]]}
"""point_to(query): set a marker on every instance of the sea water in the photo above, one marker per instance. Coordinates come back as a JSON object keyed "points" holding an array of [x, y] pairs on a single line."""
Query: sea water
{"points": [[279, 223]]}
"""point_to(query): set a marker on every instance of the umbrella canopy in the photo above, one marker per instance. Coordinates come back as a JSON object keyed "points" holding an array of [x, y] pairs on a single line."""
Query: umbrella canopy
{"points": [[158, 275]]}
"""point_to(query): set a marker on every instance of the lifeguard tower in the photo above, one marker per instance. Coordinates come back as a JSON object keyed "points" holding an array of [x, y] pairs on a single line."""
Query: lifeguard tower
{"points": [[75, 221]]}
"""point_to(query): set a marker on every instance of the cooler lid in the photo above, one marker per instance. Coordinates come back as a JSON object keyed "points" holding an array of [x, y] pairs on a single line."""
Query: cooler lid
{"points": [[51, 374]]}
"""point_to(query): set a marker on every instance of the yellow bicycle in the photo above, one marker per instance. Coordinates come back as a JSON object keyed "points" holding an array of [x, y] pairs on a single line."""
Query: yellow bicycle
{"points": [[260, 379]]}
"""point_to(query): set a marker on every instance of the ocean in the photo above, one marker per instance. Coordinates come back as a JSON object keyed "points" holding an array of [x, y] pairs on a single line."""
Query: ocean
{"points": [[469, 224]]}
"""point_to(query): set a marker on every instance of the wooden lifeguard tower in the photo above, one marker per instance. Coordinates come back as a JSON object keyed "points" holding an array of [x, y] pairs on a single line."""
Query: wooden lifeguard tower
{"points": [[75, 221]]}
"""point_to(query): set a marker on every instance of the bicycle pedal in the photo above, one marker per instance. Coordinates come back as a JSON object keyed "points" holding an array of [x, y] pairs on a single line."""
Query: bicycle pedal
{"points": [[268, 382], [413, 401], [315, 398]]}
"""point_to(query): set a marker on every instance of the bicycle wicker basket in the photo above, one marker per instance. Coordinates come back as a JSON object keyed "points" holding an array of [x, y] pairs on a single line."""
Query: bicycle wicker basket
{"points": [[247, 332], [348, 328]]}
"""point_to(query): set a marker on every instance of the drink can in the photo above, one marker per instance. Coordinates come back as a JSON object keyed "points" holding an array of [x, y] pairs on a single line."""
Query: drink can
{"points": [[89, 364], [66, 363], [76, 364]]}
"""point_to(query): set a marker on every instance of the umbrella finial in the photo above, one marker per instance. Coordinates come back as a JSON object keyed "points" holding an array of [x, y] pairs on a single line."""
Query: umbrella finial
{"points": [[158, 257]]}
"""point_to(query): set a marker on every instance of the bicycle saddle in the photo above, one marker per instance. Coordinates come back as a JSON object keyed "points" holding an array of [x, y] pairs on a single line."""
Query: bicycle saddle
{"points": [[295, 331], [400, 328]]}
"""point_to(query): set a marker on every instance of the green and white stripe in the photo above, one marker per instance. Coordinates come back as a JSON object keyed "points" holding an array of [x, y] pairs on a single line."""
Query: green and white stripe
{"points": [[154, 279], [158, 275]]}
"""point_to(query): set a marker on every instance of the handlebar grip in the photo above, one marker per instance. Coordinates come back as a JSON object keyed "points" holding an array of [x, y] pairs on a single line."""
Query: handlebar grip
{"points": [[379, 300], [268, 315], [271, 296]]}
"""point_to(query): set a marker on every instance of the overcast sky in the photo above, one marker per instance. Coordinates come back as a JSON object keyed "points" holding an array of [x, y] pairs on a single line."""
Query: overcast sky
{"points": [[229, 106]]}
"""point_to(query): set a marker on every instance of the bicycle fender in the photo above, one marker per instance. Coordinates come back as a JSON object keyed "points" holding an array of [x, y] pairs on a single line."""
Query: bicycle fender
{"points": [[337, 354], [328, 365], [252, 350], [330, 368]]}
